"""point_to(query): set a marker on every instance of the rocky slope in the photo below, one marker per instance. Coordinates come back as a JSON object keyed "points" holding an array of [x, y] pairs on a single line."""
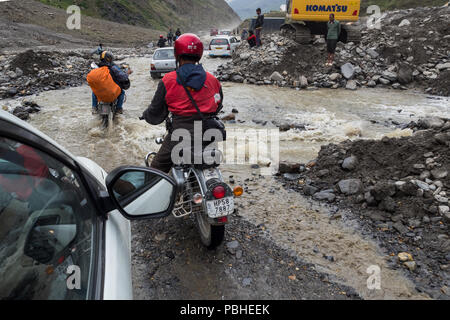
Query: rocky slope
{"points": [[412, 49], [27, 23], [396, 188], [190, 15]]}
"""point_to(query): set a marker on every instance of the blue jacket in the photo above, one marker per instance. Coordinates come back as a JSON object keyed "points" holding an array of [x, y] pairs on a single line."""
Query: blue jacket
{"points": [[119, 77]]}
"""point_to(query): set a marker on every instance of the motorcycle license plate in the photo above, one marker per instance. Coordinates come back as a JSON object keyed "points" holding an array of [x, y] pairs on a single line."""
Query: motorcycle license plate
{"points": [[220, 208]]}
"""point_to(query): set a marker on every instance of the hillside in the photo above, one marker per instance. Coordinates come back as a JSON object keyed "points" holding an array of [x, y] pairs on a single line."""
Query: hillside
{"points": [[189, 15], [247, 8], [28, 23]]}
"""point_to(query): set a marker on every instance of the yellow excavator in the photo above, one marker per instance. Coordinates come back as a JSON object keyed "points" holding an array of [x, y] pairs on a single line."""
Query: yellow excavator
{"points": [[306, 18]]}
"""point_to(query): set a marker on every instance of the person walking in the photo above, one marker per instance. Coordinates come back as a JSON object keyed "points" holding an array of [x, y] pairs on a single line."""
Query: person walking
{"points": [[334, 31], [258, 27]]}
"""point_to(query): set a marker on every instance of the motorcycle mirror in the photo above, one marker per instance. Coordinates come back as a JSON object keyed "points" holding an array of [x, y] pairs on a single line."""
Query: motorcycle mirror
{"points": [[94, 65]]}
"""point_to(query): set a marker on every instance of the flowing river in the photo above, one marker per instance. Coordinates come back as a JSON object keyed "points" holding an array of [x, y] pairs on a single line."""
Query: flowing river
{"points": [[329, 116]]}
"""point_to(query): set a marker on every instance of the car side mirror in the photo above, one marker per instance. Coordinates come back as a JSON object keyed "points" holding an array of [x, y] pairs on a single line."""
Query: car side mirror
{"points": [[141, 193]]}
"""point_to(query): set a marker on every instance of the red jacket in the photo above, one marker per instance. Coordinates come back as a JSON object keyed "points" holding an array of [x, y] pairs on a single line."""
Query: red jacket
{"points": [[208, 98]]}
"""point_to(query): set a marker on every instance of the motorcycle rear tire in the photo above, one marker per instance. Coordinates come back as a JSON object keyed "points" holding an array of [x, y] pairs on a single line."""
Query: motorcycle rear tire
{"points": [[211, 236]]}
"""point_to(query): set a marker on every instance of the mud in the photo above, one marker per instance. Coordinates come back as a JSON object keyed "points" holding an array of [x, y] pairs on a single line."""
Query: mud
{"points": [[402, 218]]}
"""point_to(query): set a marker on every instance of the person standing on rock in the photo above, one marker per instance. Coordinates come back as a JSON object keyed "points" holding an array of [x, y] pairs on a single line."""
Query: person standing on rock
{"points": [[334, 31], [170, 37], [259, 26], [178, 33]]}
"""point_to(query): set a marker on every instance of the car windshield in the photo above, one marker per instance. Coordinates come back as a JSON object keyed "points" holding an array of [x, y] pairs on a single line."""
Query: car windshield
{"points": [[219, 42], [164, 55]]}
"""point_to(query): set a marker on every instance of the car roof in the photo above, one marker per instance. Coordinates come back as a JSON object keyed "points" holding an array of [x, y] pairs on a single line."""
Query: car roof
{"points": [[165, 48]]}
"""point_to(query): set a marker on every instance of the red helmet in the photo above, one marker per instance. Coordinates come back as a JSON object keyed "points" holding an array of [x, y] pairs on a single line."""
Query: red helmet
{"points": [[161, 36], [189, 45]]}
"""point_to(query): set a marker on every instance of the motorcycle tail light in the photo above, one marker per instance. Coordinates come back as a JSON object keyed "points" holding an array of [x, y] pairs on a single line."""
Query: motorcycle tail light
{"points": [[222, 220], [219, 192]]}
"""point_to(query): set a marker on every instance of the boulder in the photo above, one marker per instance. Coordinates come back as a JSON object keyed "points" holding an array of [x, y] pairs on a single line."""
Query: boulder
{"points": [[276, 76], [350, 163], [404, 23], [405, 74], [350, 186], [348, 70], [351, 85], [431, 123]]}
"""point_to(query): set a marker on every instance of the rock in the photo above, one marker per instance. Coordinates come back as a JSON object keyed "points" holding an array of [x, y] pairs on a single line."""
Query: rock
{"points": [[408, 188], [411, 265], [404, 23], [320, 196], [351, 85], [389, 75], [431, 123], [384, 81], [335, 76], [372, 53], [232, 246], [288, 167], [443, 210], [229, 117], [235, 111], [443, 66], [422, 185], [303, 82], [323, 173], [400, 227], [310, 190], [246, 282], [348, 70], [350, 186], [276, 76], [350, 163], [441, 199], [382, 190], [237, 78], [439, 173], [245, 56], [291, 176], [371, 84], [405, 74], [371, 201], [388, 204], [405, 256]]}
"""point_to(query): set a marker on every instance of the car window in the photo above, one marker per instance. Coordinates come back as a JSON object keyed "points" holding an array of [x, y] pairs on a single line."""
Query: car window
{"points": [[164, 55], [46, 226], [219, 42]]}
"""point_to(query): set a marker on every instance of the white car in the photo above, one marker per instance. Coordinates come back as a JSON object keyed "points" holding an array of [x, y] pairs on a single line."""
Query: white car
{"points": [[64, 222], [163, 61], [223, 46]]}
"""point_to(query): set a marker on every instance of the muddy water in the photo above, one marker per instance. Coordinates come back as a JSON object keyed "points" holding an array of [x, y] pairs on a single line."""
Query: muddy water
{"points": [[329, 116]]}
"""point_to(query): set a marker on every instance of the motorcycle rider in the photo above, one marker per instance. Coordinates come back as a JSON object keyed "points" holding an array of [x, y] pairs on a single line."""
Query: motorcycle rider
{"points": [[172, 97], [120, 78], [162, 41]]}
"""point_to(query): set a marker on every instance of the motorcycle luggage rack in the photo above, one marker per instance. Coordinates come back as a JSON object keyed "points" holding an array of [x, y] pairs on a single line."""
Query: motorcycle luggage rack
{"points": [[185, 205]]}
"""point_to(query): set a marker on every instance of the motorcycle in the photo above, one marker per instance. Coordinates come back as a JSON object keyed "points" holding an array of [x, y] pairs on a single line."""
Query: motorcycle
{"points": [[108, 111], [203, 195]]}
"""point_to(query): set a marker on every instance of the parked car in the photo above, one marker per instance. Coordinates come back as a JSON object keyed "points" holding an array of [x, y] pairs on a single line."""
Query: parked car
{"points": [[225, 33], [223, 46], [163, 61], [64, 222], [214, 32]]}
